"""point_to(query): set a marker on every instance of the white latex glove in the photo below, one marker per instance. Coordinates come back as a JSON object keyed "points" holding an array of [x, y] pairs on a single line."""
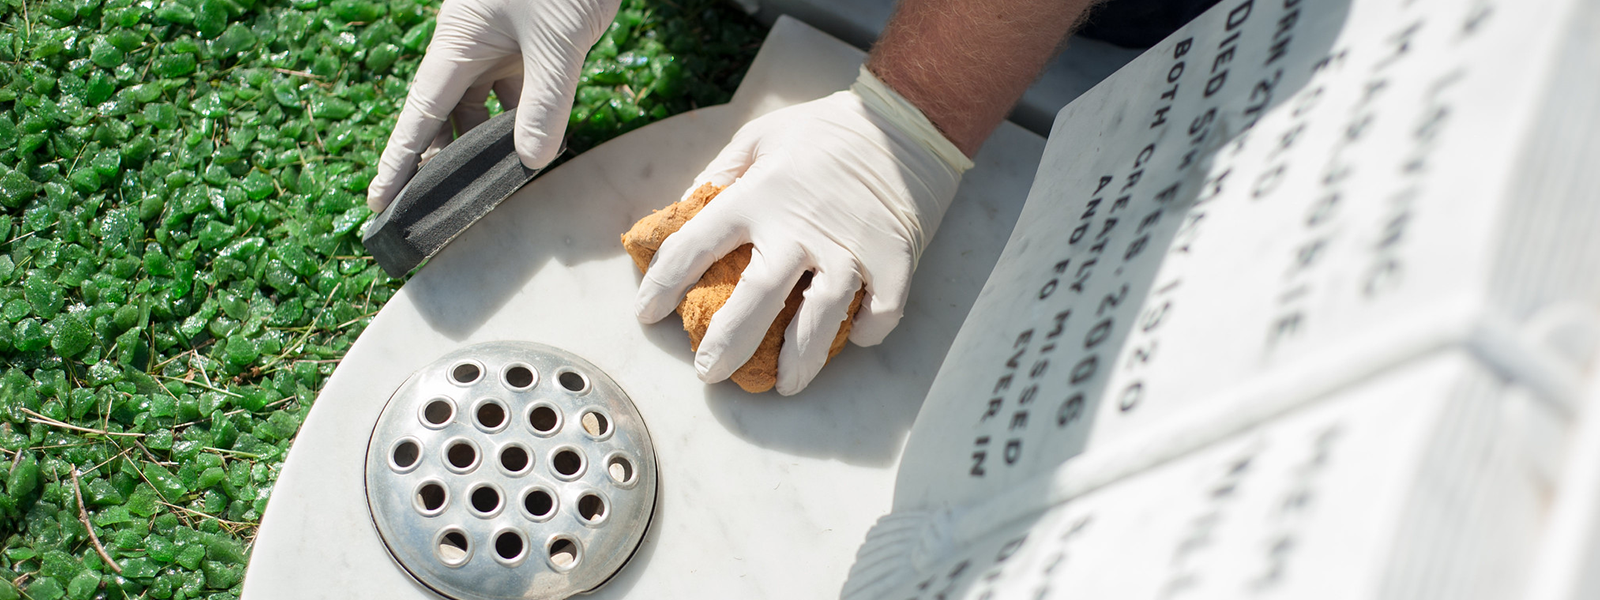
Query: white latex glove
{"points": [[851, 187], [529, 52]]}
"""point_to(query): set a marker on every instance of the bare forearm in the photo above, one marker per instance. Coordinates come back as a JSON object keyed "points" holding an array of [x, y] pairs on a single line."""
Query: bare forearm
{"points": [[966, 62]]}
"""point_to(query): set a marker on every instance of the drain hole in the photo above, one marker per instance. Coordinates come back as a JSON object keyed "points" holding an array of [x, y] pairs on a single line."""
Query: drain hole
{"points": [[466, 373], [485, 499], [572, 381], [491, 415], [461, 455], [591, 507], [438, 411], [519, 377], [539, 503], [563, 553], [596, 424], [453, 547], [567, 462], [620, 469], [406, 453], [514, 459], [508, 545], [432, 496], [543, 419]]}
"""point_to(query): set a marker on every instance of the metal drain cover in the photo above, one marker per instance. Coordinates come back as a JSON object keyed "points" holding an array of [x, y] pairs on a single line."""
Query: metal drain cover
{"points": [[511, 470]]}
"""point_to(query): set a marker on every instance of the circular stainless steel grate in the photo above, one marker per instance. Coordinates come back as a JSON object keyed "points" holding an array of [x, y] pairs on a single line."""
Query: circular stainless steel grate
{"points": [[511, 470]]}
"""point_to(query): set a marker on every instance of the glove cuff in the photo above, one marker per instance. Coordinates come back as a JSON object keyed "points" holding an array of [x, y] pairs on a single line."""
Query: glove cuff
{"points": [[889, 104]]}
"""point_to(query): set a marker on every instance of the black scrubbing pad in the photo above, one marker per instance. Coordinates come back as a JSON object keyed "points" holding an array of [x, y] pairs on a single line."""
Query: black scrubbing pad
{"points": [[460, 185]]}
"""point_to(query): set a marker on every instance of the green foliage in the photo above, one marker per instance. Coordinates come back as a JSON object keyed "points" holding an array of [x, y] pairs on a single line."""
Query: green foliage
{"points": [[659, 59], [181, 195]]}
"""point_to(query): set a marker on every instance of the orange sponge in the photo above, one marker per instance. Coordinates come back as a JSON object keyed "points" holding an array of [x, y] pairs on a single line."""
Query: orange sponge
{"points": [[759, 373]]}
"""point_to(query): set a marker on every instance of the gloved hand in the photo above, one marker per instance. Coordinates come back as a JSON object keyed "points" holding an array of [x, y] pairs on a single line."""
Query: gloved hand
{"points": [[529, 52], [851, 187]]}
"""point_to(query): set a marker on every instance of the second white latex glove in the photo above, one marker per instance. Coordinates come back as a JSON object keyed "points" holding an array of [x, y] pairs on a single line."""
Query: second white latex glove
{"points": [[529, 52], [850, 187]]}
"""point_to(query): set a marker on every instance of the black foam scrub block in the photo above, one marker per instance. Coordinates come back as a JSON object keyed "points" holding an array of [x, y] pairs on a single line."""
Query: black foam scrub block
{"points": [[460, 185]]}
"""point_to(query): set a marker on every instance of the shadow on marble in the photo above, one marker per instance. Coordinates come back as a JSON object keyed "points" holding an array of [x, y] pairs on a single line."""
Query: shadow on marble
{"points": [[496, 276]]}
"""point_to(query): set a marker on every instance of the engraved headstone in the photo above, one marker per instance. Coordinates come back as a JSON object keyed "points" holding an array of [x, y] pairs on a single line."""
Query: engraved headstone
{"points": [[1299, 305]]}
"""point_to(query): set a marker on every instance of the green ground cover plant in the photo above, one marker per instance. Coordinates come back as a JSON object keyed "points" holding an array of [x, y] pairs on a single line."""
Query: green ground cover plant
{"points": [[181, 185]]}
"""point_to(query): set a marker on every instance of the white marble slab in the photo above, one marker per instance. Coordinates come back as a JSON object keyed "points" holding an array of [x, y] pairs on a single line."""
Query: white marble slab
{"points": [[1368, 494], [761, 496], [1282, 202], [1325, 189]]}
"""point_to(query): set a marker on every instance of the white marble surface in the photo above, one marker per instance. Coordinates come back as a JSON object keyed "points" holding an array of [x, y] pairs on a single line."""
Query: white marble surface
{"points": [[761, 496], [1279, 203], [1367, 494], [1368, 208]]}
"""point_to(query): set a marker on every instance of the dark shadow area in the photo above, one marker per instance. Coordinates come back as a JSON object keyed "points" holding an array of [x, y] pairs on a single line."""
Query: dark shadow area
{"points": [[1140, 23]]}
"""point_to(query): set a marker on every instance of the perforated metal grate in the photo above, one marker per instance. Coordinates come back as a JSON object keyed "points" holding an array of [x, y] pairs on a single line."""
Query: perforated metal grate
{"points": [[511, 470]]}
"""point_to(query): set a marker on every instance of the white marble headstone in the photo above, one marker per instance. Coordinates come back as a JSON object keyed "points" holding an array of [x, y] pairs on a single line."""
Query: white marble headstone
{"points": [[1282, 202], [1358, 496]]}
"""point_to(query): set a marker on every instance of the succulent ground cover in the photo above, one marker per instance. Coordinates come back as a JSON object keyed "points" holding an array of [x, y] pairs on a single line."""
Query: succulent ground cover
{"points": [[181, 193]]}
